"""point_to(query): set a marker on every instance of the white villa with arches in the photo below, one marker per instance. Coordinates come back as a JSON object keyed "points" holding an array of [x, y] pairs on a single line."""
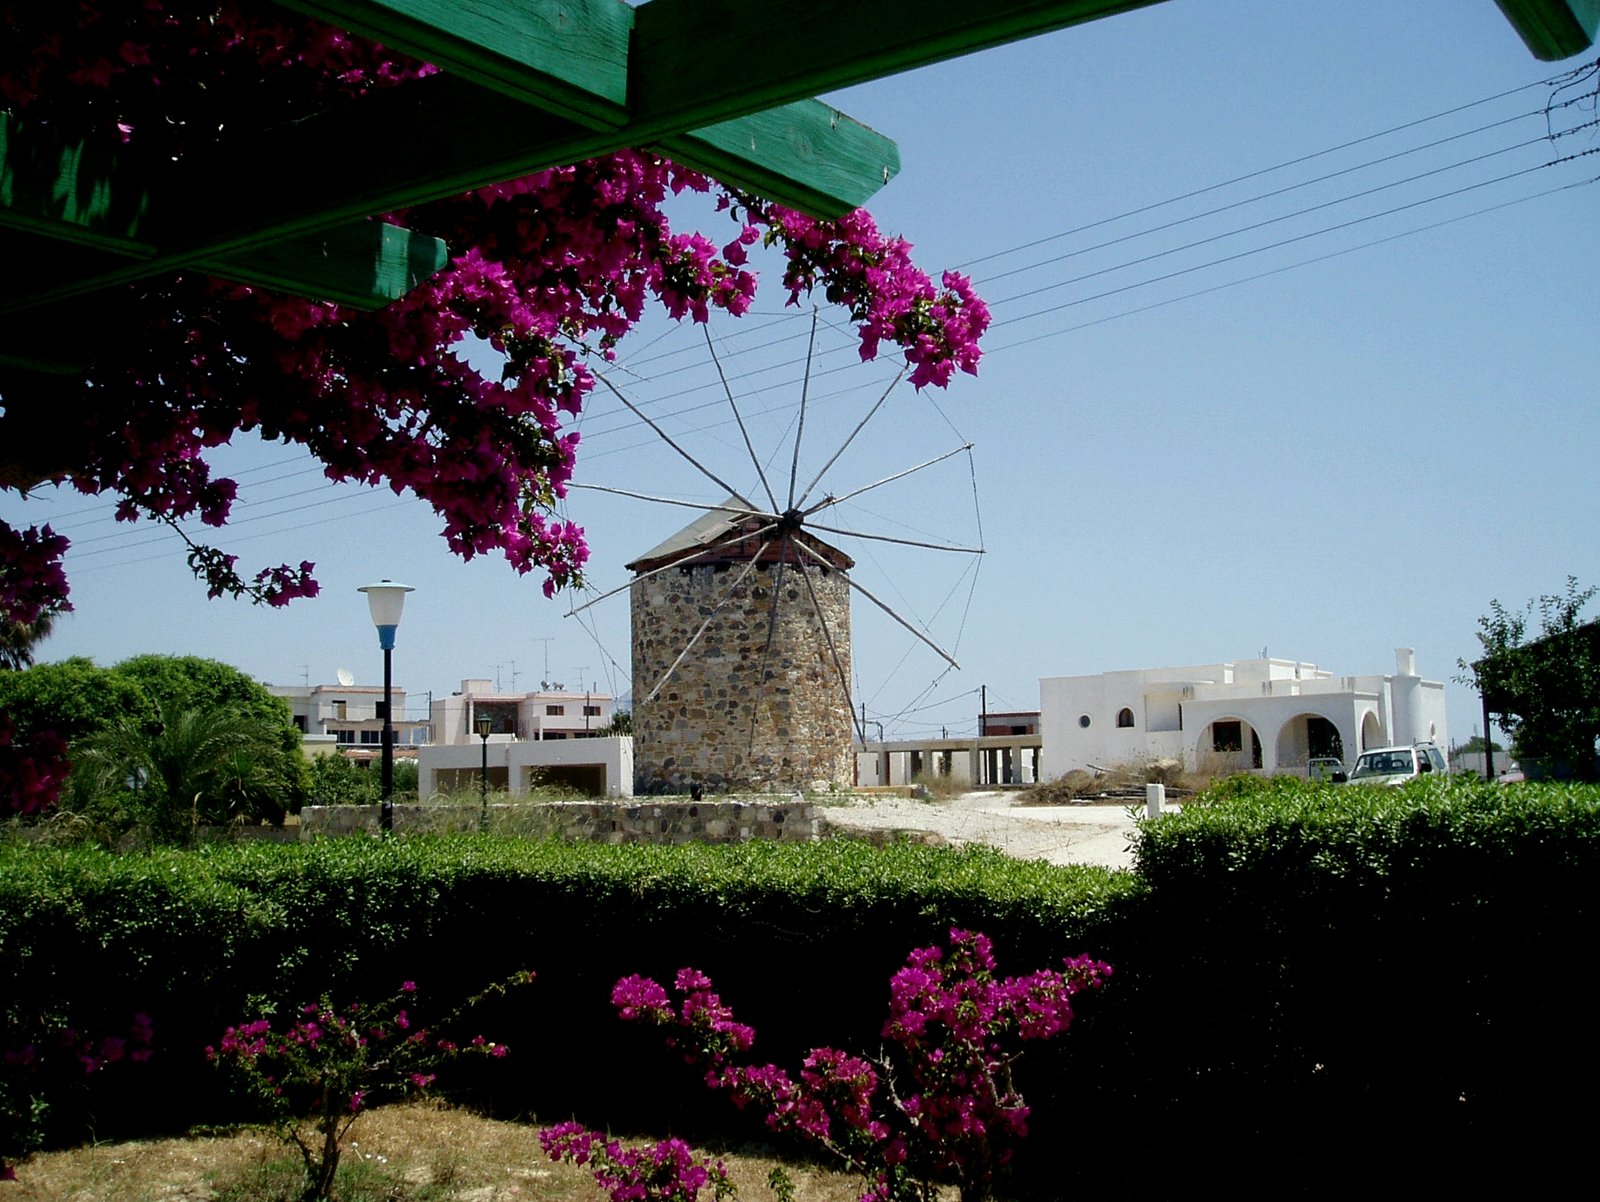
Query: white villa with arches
{"points": [[1271, 715]]}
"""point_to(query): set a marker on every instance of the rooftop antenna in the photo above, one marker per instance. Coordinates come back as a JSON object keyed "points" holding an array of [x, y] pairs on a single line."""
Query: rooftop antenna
{"points": [[546, 643], [345, 677]]}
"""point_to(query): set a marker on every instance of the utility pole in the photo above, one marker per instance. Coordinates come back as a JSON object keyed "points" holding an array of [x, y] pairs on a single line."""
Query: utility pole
{"points": [[983, 725], [1488, 742]]}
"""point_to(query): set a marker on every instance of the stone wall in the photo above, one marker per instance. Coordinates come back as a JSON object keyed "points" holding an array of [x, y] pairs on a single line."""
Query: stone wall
{"points": [[736, 714], [728, 820]]}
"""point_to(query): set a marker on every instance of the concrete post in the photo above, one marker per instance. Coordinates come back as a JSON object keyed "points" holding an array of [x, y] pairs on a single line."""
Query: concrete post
{"points": [[1155, 796]]}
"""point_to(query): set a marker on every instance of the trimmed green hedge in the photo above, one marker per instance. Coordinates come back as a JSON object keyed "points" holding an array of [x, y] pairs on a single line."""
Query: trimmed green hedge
{"points": [[1309, 978], [802, 937], [1348, 973]]}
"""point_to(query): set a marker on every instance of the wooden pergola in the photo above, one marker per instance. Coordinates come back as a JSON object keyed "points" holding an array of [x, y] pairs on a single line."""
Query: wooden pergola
{"points": [[718, 85]]}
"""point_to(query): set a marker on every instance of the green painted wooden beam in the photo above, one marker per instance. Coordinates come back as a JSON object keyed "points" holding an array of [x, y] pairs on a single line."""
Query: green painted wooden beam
{"points": [[1554, 29], [366, 265], [87, 208], [439, 137], [71, 189], [807, 155], [432, 138], [698, 62], [569, 57]]}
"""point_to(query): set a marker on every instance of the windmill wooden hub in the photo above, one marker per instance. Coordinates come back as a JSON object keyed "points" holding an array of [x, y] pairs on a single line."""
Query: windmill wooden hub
{"points": [[754, 702]]}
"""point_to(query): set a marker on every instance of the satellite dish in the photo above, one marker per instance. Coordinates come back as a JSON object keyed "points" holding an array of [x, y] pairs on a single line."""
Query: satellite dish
{"points": [[345, 677]]}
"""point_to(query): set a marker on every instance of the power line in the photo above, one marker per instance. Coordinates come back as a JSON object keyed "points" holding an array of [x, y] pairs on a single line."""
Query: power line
{"points": [[1552, 81], [1276, 192], [1271, 221], [1278, 270]]}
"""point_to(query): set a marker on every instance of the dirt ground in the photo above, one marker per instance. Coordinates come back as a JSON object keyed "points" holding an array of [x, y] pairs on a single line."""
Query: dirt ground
{"points": [[1066, 834]]}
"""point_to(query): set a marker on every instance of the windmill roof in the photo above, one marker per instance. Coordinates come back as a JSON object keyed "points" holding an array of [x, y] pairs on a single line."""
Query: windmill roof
{"points": [[720, 524]]}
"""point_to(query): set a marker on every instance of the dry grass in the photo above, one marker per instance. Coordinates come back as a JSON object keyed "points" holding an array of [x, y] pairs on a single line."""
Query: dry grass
{"points": [[420, 1152], [940, 788]]}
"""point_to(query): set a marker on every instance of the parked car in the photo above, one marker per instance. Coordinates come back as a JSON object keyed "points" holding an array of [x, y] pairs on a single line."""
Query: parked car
{"points": [[1396, 765], [1325, 767]]}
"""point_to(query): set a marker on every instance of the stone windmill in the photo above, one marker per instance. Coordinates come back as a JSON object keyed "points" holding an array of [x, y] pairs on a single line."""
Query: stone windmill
{"points": [[742, 631], [741, 626]]}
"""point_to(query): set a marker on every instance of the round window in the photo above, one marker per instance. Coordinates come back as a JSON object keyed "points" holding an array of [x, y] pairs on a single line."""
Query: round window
{"points": [[1083, 721]]}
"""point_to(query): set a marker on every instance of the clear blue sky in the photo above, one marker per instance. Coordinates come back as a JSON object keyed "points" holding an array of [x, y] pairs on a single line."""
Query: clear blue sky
{"points": [[1327, 448]]}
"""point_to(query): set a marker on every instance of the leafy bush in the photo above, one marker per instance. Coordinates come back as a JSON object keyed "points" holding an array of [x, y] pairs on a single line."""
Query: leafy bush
{"points": [[334, 780], [73, 697], [124, 723], [189, 682]]}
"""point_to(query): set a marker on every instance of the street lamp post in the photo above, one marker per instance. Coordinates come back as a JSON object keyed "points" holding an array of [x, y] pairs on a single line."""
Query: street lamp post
{"points": [[386, 599], [483, 724]]}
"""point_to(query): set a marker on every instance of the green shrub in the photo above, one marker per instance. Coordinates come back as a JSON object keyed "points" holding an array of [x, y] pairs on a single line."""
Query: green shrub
{"points": [[1375, 965], [334, 780]]}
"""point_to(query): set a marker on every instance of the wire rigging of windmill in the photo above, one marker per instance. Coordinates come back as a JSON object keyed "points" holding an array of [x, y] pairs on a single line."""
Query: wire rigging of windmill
{"points": [[740, 622]]}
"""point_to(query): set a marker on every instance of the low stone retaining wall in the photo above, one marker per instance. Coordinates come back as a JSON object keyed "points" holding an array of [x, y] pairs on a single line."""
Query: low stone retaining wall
{"points": [[729, 820]]}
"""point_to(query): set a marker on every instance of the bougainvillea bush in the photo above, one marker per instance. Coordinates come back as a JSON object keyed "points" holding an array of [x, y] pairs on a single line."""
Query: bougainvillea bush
{"points": [[551, 270], [938, 1107], [42, 1061], [317, 1072]]}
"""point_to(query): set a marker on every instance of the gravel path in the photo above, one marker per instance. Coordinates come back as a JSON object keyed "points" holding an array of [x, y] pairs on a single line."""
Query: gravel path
{"points": [[1070, 834]]}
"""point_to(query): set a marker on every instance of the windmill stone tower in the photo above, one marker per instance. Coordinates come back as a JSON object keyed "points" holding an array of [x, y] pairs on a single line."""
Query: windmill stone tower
{"points": [[759, 701]]}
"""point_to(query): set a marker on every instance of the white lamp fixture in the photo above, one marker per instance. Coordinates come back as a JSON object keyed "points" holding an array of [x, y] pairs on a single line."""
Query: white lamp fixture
{"points": [[386, 599]]}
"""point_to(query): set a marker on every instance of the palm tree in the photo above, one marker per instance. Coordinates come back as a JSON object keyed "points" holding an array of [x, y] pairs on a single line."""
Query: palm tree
{"points": [[189, 768], [18, 639]]}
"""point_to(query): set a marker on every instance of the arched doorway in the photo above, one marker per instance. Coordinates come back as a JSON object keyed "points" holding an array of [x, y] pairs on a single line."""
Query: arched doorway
{"points": [[1228, 745], [1305, 737]]}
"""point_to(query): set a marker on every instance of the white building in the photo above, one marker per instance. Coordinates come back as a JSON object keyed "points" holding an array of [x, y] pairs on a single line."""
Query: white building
{"points": [[348, 718], [550, 737], [534, 717], [593, 767], [1270, 715]]}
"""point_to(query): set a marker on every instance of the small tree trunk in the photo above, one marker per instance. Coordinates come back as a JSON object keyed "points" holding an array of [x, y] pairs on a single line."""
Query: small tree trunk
{"points": [[320, 1188]]}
